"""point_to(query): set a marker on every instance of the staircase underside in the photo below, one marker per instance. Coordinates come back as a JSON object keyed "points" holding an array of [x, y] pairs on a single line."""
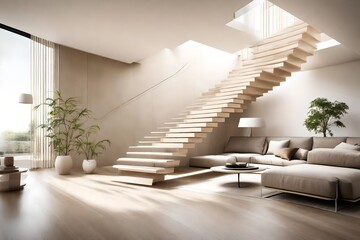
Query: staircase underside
{"points": [[272, 61]]}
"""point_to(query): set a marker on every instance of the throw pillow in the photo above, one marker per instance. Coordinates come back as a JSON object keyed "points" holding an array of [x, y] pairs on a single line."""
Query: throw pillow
{"points": [[275, 145], [347, 146], [286, 153], [301, 154]]}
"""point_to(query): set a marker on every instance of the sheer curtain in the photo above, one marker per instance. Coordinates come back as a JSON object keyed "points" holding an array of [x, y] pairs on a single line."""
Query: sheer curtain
{"points": [[44, 82]]}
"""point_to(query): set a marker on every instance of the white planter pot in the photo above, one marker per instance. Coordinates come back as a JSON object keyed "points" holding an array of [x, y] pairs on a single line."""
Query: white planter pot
{"points": [[89, 166], [63, 165]]}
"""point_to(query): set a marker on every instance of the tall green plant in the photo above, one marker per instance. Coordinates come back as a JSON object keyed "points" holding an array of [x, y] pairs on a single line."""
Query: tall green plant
{"points": [[323, 114], [65, 122], [91, 148]]}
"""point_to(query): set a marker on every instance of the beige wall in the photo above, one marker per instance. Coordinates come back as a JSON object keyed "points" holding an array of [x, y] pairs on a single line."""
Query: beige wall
{"points": [[132, 100], [285, 109]]}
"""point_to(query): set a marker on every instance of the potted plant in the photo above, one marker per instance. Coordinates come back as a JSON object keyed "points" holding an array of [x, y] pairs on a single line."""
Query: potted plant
{"points": [[90, 148], [63, 126], [323, 115]]}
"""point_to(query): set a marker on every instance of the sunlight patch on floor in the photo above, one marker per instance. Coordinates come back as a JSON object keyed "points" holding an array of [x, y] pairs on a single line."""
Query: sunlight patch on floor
{"points": [[92, 189]]}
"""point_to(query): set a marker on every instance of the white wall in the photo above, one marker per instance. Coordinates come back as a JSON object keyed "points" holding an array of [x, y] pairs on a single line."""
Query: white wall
{"points": [[285, 108], [110, 89]]}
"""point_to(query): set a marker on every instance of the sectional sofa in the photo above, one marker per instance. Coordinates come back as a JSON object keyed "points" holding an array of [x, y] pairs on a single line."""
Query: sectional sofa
{"points": [[261, 150], [326, 168]]}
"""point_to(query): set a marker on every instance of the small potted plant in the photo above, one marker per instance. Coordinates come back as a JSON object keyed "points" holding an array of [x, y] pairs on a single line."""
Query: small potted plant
{"points": [[90, 148], [64, 125]]}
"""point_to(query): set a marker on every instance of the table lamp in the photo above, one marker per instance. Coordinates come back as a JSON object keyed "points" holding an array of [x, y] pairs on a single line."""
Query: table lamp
{"points": [[251, 123]]}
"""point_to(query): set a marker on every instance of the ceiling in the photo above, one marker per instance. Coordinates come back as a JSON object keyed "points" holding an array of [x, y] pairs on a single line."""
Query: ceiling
{"points": [[130, 30], [127, 30]]}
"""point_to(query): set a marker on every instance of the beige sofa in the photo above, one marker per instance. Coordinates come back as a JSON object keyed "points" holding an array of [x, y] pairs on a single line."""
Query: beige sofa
{"points": [[256, 150], [329, 174], [320, 167]]}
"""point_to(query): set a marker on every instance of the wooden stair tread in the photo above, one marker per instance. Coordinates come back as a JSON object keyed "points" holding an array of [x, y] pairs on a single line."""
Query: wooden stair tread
{"points": [[254, 82], [148, 162], [190, 134], [165, 154], [214, 110], [204, 120], [182, 140], [198, 124], [289, 32], [178, 145], [281, 50], [195, 130], [154, 147], [258, 64], [139, 178], [283, 42], [225, 115], [144, 169]]}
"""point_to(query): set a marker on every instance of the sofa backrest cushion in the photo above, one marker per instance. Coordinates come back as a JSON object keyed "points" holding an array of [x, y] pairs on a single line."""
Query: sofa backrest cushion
{"points": [[353, 140], [335, 157], [327, 142], [245, 145], [295, 142]]}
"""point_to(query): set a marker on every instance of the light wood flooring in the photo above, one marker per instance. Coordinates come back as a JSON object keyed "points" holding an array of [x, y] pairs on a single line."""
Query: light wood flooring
{"points": [[205, 206]]}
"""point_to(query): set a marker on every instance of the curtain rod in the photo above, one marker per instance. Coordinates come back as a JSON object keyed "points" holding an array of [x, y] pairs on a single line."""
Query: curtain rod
{"points": [[14, 30]]}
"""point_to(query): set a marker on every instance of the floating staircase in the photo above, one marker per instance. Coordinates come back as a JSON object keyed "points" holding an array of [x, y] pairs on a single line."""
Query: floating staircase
{"points": [[273, 59]]}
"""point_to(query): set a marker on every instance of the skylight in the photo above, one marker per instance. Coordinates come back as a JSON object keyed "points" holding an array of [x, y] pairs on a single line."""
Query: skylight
{"points": [[262, 18], [327, 44]]}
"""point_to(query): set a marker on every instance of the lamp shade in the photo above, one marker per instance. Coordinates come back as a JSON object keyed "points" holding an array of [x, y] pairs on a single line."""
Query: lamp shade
{"points": [[25, 98], [251, 123]]}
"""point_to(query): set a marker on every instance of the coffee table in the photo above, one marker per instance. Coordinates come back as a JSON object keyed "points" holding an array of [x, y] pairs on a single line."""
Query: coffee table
{"points": [[238, 171], [11, 180]]}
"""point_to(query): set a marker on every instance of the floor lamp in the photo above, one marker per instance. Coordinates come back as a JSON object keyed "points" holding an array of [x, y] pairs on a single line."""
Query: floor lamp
{"points": [[251, 123], [25, 98]]}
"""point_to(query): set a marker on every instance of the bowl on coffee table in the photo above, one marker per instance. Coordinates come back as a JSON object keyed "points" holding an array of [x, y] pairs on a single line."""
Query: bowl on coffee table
{"points": [[236, 165]]}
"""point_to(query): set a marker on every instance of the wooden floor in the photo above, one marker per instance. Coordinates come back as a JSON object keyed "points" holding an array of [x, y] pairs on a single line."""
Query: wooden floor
{"points": [[95, 207]]}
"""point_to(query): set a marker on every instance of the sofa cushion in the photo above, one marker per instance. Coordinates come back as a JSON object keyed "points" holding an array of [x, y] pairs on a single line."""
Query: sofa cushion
{"points": [[286, 153], [245, 145], [316, 180], [349, 181], [211, 160], [301, 179], [335, 157], [273, 160], [347, 146], [327, 142], [301, 154], [276, 145]]}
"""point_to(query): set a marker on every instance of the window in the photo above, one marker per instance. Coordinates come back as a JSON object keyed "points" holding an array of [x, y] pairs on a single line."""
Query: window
{"points": [[15, 121]]}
